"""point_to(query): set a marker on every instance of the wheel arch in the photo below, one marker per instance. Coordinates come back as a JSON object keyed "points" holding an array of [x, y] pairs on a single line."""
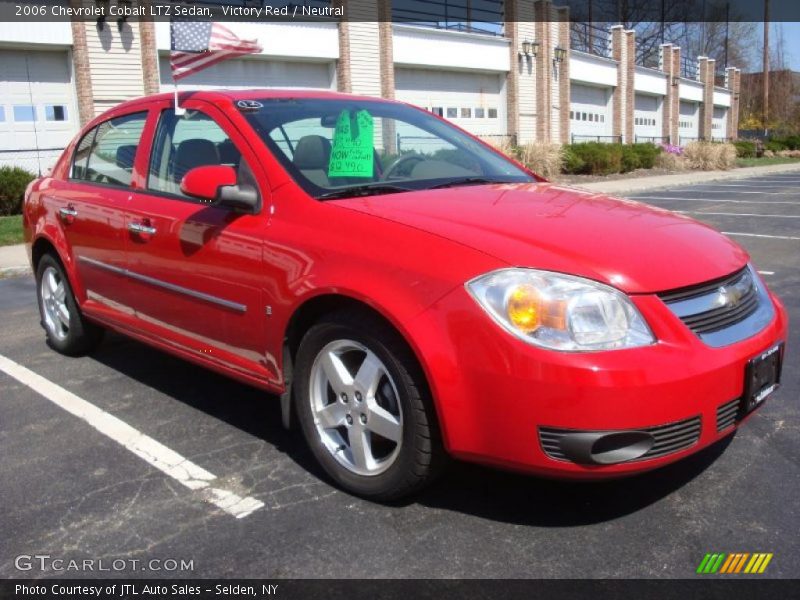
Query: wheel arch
{"points": [[311, 311], [45, 244]]}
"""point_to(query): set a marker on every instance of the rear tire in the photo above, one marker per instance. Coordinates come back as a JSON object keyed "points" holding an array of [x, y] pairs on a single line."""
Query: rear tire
{"points": [[364, 407], [68, 331]]}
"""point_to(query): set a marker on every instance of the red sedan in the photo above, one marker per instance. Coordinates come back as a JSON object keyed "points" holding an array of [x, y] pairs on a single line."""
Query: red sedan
{"points": [[409, 292]]}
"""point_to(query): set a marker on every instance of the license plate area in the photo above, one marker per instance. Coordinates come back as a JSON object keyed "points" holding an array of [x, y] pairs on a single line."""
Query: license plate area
{"points": [[762, 376]]}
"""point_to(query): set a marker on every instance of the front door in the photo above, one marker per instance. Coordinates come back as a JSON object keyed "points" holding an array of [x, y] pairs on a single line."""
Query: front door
{"points": [[198, 267]]}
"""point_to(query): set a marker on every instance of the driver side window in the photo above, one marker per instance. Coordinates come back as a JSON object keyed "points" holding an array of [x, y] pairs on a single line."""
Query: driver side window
{"points": [[185, 142]]}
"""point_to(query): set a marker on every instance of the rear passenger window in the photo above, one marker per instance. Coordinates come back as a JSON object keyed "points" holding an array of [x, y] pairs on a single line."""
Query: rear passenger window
{"points": [[106, 154], [185, 142]]}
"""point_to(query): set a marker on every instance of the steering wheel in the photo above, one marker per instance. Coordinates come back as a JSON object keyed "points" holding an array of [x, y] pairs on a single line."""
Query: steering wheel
{"points": [[398, 162]]}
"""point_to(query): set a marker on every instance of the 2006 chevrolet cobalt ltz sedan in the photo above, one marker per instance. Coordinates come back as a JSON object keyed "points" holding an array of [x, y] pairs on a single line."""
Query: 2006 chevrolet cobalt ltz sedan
{"points": [[408, 291]]}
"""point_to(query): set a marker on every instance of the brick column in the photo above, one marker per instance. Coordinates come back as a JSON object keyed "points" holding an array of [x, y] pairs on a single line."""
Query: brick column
{"points": [[150, 68], [732, 83], [672, 102], [83, 76], [524, 71], [513, 78], [343, 80], [623, 44], [676, 114], [665, 65], [563, 76], [630, 87], [706, 70], [386, 49], [544, 70]]}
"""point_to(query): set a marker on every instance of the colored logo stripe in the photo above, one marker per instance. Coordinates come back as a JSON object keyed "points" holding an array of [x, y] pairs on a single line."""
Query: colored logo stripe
{"points": [[734, 563]]}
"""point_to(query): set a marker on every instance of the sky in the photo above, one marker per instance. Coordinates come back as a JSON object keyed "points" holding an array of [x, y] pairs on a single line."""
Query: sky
{"points": [[791, 36]]}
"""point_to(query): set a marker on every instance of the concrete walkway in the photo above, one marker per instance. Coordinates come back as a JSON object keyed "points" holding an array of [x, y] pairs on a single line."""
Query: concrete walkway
{"points": [[641, 184], [13, 260]]}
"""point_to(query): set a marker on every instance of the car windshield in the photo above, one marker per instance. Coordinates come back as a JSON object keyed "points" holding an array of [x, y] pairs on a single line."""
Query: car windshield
{"points": [[337, 148]]}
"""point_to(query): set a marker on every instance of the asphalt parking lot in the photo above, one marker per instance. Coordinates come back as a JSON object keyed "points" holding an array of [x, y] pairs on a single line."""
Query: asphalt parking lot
{"points": [[70, 492]]}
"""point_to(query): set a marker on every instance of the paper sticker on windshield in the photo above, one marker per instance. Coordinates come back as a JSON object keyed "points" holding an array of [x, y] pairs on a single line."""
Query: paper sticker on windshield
{"points": [[353, 150]]}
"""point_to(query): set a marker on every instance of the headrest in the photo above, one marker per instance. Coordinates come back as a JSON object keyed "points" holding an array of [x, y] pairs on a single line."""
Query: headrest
{"points": [[312, 152], [126, 156], [194, 153]]}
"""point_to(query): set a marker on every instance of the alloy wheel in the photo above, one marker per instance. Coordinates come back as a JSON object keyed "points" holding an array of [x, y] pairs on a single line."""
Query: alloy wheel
{"points": [[356, 407]]}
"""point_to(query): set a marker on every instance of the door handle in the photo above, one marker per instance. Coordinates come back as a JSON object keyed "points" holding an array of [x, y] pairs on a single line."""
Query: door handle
{"points": [[68, 213], [141, 228]]}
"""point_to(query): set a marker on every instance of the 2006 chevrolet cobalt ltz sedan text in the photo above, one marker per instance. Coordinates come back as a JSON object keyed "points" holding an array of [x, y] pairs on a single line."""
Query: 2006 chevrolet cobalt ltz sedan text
{"points": [[410, 292]]}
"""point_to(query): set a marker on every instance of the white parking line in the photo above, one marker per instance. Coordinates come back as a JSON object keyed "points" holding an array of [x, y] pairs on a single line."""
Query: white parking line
{"points": [[766, 272], [728, 214], [737, 192], [156, 454], [757, 184], [714, 200], [761, 235]]}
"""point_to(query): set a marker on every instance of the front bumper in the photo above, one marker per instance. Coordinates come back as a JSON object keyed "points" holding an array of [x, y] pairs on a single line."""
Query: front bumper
{"points": [[494, 393]]}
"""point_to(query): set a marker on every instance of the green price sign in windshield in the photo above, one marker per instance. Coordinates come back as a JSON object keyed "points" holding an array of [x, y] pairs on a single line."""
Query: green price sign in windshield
{"points": [[353, 151]]}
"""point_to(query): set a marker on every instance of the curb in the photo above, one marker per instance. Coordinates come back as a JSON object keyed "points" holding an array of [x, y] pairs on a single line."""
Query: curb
{"points": [[627, 186], [9, 272]]}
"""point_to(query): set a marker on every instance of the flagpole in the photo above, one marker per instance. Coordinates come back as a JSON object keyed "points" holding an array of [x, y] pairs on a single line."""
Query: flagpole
{"points": [[179, 112]]}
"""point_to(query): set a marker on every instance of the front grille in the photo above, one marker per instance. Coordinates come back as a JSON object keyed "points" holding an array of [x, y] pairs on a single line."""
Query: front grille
{"points": [[726, 415], [669, 438], [698, 306]]}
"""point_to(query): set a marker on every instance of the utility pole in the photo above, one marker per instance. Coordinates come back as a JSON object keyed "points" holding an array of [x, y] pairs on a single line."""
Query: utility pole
{"points": [[765, 78]]}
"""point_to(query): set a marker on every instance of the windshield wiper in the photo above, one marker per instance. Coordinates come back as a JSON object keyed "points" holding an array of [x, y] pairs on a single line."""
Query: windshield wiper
{"points": [[467, 181], [368, 189]]}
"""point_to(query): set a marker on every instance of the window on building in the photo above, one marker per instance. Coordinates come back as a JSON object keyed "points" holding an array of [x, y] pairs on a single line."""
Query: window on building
{"points": [[492, 113], [2, 114], [24, 113], [55, 112], [438, 110], [480, 113], [466, 113], [452, 113], [602, 118], [583, 116]]}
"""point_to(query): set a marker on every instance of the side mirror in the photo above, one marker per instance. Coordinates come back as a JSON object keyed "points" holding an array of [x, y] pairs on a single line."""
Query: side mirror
{"points": [[217, 184]]}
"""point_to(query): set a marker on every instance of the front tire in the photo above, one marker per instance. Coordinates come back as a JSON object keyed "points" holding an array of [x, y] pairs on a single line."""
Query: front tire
{"points": [[68, 332], [365, 409]]}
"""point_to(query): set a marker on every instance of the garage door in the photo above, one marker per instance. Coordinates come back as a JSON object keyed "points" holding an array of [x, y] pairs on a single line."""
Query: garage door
{"points": [[590, 113], [37, 108], [689, 121], [474, 101], [254, 73], [719, 123], [647, 118]]}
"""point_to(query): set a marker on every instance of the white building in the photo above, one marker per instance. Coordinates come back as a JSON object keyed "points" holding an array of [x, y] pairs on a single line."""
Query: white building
{"points": [[528, 75]]}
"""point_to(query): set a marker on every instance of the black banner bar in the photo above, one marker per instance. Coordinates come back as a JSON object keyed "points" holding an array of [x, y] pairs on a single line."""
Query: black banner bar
{"points": [[710, 588]]}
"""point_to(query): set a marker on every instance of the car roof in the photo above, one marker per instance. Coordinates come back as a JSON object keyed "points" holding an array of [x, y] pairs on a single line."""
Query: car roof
{"points": [[227, 95]]}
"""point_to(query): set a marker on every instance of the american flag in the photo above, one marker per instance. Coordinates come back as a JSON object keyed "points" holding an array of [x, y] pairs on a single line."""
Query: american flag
{"points": [[197, 45]]}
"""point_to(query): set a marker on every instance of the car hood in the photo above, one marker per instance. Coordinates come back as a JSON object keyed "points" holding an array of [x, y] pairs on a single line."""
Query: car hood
{"points": [[632, 246]]}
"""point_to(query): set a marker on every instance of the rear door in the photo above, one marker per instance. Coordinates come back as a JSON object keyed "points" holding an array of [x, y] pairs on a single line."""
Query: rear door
{"points": [[90, 207], [197, 268]]}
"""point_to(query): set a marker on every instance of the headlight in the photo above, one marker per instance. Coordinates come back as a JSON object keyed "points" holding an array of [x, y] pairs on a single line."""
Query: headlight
{"points": [[560, 312]]}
